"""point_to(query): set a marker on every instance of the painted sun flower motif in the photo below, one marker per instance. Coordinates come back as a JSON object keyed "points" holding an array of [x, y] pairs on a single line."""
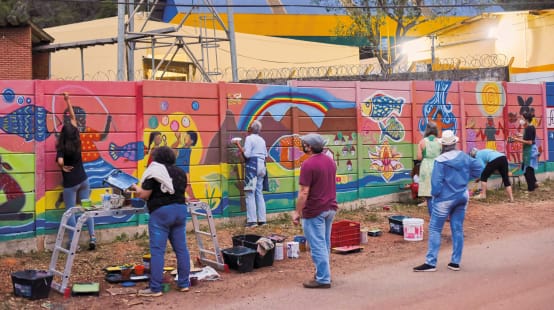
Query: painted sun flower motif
{"points": [[385, 160]]}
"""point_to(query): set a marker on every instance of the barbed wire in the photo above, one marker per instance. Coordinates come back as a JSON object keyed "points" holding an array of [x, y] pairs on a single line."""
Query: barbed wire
{"points": [[318, 72]]}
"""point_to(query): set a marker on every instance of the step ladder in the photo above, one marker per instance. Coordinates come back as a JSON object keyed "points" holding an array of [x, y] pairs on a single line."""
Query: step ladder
{"points": [[59, 247], [196, 210], [70, 253]]}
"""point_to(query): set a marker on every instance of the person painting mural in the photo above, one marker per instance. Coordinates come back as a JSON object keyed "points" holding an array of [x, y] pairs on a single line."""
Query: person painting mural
{"points": [[451, 174], [530, 151], [492, 161], [163, 186], [70, 161], [428, 149], [255, 153]]}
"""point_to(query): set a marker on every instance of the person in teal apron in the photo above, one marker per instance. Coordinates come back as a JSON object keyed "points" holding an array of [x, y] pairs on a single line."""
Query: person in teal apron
{"points": [[530, 151]]}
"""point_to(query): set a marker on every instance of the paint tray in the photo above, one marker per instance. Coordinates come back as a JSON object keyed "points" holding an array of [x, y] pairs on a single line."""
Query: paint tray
{"points": [[86, 289], [347, 249], [120, 180]]}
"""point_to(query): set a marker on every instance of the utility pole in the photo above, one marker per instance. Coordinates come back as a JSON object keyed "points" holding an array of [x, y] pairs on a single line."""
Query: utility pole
{"points": [[433, 37], [121, 41], [232, 43]]}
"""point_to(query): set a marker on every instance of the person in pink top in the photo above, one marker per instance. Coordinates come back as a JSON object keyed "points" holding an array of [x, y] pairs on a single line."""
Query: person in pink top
{"points": [[317, 206]]}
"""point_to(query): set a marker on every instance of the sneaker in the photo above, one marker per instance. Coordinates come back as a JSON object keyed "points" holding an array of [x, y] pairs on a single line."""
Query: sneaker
{"points": [[455, 267], [184, 289], [251, 224], [425, 267], [92, 244], [262, 223], [315, 284], [149, 293]]}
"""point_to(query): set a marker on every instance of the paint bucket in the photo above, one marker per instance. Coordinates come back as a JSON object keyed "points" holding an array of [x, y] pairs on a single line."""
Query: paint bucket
{"points": [[363, 235], [126, 273], [293, 249], [279, 251], [301, 242], [139, 270], [146, 262], [166, 287], [413, 229]]}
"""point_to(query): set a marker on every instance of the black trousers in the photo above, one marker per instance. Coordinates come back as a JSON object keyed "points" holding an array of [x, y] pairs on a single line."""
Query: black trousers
{"points": [[530, 178]]}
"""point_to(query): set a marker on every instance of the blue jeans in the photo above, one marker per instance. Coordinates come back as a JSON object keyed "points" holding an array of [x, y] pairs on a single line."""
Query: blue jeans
{"points": [[70, 198], [255, 203], [441, 210], [317, 231], [168, 222]]}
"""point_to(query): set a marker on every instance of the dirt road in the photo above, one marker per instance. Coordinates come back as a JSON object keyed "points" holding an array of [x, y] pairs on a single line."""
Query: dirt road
{"points": [[512, 273]]}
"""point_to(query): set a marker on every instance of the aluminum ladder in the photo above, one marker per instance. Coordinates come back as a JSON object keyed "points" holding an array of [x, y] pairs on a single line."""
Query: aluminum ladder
{"points": [[59, 247], [196, 210]]}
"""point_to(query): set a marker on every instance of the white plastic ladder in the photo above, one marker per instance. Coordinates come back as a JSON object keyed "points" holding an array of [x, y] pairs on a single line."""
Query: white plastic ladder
{"points": [[198, 209]]}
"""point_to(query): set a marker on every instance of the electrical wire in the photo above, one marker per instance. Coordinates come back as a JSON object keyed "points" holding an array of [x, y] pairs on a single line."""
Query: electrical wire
{"points": [[329, 7]]}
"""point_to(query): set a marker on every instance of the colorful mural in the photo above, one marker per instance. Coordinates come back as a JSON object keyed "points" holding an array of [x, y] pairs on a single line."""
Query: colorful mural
{"points": [[371, 130]]}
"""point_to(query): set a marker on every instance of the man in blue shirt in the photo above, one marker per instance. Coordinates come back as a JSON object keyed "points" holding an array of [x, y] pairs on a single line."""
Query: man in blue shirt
{"points": [[493, 161]]}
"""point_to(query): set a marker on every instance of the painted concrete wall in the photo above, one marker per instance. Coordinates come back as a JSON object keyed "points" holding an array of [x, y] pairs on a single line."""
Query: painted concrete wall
{"points": [[371, 127]]}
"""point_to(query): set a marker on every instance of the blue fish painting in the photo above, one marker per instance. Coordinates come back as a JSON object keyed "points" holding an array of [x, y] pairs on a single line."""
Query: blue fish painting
{"points": [[131, 151], [380, 106], [392, 128], [28, 122]]}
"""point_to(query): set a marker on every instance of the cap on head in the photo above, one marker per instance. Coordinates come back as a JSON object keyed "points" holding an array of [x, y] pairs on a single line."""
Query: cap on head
{"points": [[315, 141], [448, 138]]}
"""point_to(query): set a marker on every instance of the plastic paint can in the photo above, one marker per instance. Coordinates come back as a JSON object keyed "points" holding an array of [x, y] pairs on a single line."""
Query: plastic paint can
{"points": [[301, 242], [413, 229], [146, 262], [293, 249], [279, 252], [363, 236]]}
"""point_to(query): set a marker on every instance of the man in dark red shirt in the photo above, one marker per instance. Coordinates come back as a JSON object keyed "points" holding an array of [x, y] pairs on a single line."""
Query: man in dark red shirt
{"points": [[317, 205]]}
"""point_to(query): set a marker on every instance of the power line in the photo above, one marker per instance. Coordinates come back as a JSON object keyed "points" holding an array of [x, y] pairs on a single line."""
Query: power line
{"points": [[329, 7]]}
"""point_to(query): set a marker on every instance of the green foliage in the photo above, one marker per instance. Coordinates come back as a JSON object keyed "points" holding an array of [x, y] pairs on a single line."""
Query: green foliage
{"points": [[49, 13], [122, 237]]}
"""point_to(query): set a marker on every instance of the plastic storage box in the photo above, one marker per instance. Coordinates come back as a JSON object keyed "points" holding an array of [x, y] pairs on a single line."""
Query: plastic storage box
{"points": [[239, 258], [345, 233], [249, 241], [32, 284], [395, 224]]}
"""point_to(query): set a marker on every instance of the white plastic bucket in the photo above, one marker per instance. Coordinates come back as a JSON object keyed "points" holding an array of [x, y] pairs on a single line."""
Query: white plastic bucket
{"points": [[413, 229], [363, 236], [293, 249], [279, 252]]}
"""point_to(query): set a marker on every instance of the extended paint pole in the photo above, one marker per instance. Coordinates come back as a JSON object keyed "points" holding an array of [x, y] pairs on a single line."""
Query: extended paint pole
{"points": [[232, 43], [121, 41]]}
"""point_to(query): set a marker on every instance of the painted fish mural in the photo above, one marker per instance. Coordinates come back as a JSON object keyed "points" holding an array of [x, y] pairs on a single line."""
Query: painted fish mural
{"points": [[385, 160], [380, 106], [29, 122], [131, 151], [287, 152], [393, 129]]}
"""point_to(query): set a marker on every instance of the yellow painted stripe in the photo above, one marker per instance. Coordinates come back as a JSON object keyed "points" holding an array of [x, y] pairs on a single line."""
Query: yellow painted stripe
{"points": [[542, 68], [305, 25]]}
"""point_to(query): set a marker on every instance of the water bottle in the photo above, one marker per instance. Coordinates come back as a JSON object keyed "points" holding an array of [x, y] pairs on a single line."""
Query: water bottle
{"points": [[106, 200]]}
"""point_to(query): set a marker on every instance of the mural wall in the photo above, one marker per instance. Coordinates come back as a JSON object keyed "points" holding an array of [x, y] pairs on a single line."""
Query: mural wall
{"points": [[372, 129]]}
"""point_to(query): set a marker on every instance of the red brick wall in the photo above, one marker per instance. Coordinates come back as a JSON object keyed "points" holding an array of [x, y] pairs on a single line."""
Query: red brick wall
{"points": [[15, 51], [40, 66]]}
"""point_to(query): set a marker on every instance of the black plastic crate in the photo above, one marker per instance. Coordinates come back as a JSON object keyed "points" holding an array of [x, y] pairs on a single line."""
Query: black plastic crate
{"points": [[249, 241], [32, 284], [395, 224], [239, 258]]}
